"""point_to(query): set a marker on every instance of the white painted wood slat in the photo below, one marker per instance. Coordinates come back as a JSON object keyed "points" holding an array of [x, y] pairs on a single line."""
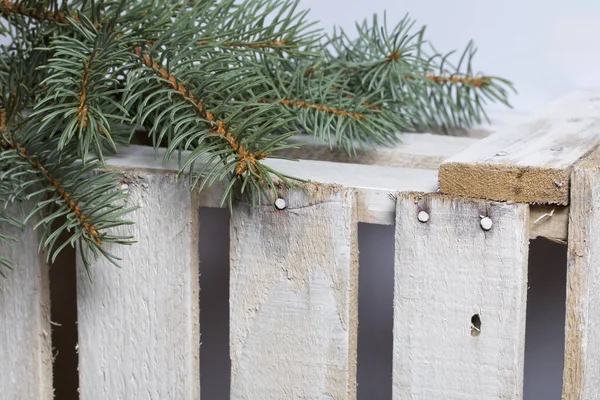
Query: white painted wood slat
{"points": [[25, 348], [139, 324], [582, 328], [460, 299], [293, 297]]}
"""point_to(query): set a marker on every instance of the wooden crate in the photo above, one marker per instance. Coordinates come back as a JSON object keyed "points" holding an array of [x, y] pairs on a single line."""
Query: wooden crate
{"points": [[464, 210]]}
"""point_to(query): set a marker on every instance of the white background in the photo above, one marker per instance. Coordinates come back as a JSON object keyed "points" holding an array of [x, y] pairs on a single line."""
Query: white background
{"points": [[546, 47]]}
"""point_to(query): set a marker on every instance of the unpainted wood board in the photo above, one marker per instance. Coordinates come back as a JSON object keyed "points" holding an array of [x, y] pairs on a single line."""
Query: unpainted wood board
{"points": [[530, 162], [293, 297], [139, 324], [448, 270], [25, 344], [582, 328], [551, 222]]}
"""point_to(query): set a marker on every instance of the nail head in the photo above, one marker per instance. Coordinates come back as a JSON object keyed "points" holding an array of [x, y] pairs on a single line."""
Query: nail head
{"points": [[486, 223], [423, 216], [280, 204]]}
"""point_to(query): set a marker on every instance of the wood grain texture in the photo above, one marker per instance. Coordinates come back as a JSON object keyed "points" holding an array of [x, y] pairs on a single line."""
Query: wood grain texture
{"points": [[25, 348], [293, 297], [551, 222], [531, 162], [448, 270], [582, 334], [139, 324]]}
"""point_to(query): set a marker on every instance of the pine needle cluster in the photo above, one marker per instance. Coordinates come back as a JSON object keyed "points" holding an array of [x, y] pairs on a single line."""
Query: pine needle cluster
{"points": [[219, 84]]}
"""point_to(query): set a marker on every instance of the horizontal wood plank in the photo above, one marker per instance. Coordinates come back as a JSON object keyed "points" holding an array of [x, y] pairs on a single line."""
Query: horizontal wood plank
{"points": [[415, 150], [551, 222], [374, 185], [530, 162]]}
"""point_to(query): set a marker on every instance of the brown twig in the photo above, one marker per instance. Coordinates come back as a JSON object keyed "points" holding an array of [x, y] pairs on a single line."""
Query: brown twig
{"points": [[246, 157], [321, 107], [82, 114], [475, 81], [7, 7]]}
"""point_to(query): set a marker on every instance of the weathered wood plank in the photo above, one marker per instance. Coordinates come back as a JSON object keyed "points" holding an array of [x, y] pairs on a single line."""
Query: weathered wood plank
{"points": [[25, 348], [293, 297], [460, 299], [139, 324], [582, 336], [374, 186], [416, 150], [551, 222], [531, 162]]}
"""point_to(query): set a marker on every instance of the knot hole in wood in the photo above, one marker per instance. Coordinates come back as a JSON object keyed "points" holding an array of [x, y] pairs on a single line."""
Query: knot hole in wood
{"points": [[475, 325]]}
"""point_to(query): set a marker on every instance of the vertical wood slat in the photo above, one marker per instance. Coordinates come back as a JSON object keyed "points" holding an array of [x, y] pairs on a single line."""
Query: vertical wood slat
{"points": [[25, 348], [293, 297], [447, 270], [139, 324], [582, 327]]}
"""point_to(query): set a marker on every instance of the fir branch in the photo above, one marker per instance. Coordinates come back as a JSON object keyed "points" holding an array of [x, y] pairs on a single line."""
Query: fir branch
{"points": [[224, 81], [82, 112], [323, 105], [80, 102], [246, 158], [430, 91], [86, 196], [7, 142], [348, 95]]}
